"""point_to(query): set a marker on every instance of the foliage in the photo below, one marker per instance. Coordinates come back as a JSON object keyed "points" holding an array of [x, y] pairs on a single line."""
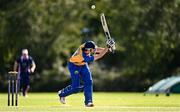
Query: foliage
{"points": [[146, 33]]}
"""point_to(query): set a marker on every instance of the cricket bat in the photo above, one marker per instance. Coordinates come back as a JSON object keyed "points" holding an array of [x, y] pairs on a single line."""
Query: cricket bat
{"points": [[106, 30]]}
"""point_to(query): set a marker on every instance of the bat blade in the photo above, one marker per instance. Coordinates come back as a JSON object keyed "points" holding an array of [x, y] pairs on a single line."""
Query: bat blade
{"points": [[105, 26]]}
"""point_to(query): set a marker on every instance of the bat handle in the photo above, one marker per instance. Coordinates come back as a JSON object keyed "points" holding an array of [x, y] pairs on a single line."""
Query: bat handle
{"points": [[113, 49]]}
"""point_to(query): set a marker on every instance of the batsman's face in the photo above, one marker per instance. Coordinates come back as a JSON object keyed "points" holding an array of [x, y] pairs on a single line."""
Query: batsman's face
{"points": [[89, 51]]}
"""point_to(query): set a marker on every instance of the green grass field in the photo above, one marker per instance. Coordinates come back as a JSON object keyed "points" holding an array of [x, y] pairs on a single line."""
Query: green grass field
{"points": [[104, 102]]}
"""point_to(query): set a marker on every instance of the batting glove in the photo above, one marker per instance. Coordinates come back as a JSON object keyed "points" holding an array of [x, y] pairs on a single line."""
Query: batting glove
{"points": [[110, 43]]}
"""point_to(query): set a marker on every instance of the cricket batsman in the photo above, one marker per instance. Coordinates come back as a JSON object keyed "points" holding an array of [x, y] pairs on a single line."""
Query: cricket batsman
{"points": [[78, 67], [24, 65]]}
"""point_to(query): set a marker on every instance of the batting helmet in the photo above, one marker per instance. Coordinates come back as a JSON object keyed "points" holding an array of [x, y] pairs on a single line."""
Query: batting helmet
{"points": [[90, 44]]}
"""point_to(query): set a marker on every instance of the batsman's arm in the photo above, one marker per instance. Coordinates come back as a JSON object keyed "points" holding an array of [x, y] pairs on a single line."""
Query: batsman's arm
{"points": [[101, 53], [99, 49]]}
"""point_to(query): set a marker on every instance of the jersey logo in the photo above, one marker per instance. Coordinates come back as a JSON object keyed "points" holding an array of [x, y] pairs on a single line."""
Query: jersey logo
{"points": [[76, 72]]}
